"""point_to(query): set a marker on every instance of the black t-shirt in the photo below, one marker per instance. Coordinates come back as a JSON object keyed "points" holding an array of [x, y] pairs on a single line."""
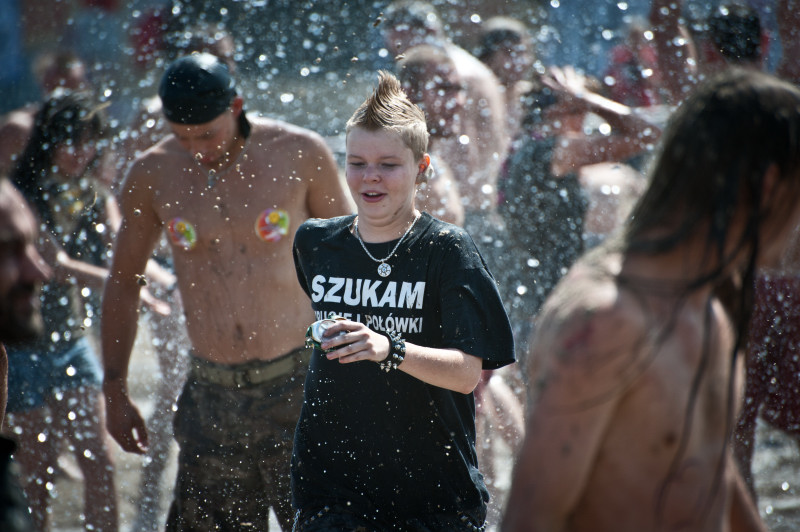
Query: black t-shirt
{"points": [[386, 444]]}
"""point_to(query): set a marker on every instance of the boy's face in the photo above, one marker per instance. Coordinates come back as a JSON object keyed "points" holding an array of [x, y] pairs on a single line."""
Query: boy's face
{"points": [[381, 173]]}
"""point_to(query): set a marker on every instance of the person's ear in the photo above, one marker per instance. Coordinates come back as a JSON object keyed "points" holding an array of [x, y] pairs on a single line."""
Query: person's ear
{"points": [[425, 169]]}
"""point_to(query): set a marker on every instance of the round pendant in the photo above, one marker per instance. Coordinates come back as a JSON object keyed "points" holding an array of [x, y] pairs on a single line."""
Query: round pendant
{"points": [[384, 269]]}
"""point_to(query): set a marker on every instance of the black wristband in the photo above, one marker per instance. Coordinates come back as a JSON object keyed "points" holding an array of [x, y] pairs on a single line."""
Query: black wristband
{"points": [[397, 352]]}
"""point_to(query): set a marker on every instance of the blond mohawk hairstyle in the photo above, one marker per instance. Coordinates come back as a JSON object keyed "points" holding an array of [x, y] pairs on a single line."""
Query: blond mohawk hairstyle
{"points": [[388, 107]]}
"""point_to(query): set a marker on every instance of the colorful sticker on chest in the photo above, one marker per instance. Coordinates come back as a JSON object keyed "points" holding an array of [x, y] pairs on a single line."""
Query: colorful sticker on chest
{"points": [[182, 233], [272, 224]]}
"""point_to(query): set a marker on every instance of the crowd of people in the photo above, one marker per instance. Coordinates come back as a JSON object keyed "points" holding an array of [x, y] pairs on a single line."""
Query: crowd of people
{"points": [[584, 281]]}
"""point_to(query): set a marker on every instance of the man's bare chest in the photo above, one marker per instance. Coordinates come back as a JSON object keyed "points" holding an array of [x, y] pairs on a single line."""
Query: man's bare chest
{"points": [[244, 213]]}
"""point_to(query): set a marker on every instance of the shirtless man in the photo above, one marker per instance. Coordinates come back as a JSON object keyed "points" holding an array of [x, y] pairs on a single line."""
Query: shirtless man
{"points": [[482, 139], [637, 379], [230, 191], [429, 78]]}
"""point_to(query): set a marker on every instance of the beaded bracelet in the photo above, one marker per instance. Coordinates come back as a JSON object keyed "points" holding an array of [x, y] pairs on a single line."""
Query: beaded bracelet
{"points": [[397, 352]]}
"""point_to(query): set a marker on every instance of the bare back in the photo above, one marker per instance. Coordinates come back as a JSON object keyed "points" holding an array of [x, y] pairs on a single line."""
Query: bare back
{"points": [[609, 446], [232, 243]]}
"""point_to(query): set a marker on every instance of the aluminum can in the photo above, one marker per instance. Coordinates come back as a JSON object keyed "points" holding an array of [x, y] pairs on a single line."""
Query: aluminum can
{"points": [[316, 331]]}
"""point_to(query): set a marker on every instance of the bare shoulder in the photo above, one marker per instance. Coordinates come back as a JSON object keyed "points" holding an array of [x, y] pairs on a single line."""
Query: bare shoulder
{"points": [[18, 120], [147, 171], [15, 130], [268, 131], [589, 326]]}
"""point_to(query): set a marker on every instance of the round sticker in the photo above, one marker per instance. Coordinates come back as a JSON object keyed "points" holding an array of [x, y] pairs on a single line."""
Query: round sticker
{"points": [[182, 233], [272, 224]]}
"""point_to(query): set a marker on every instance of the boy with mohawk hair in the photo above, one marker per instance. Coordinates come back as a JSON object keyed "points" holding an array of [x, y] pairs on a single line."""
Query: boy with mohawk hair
{"points": [[386, 437]]}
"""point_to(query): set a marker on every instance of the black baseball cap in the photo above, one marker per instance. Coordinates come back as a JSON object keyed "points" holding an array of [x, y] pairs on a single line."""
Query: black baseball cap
{"points": [[196, 89]]}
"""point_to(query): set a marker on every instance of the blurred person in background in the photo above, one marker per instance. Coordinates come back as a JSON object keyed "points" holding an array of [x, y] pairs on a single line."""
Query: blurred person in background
{"points": [[633, 76], [22, 273], [548, 181], [772, 390], [56, 69], [506, 46], [430, 80], [54, 394], [481, 140]]}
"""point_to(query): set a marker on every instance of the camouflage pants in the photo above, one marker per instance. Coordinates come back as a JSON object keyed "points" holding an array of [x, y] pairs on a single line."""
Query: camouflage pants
{"points": [[235, 453]]}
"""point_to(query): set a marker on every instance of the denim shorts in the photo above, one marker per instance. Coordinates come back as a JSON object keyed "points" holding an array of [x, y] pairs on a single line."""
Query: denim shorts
{"points": [[35, 376]]}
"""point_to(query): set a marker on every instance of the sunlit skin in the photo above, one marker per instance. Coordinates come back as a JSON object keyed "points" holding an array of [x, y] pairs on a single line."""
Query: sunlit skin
{"points": [[474, 154], [287, 167], [382, 174], [670, 377], [583, 420]]}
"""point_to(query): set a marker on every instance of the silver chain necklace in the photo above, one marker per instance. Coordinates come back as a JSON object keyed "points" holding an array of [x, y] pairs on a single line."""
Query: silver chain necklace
{"points": [[383, 268], [213, 176]]}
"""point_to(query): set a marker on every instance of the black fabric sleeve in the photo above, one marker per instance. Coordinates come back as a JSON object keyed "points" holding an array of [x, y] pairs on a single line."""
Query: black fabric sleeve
{"points": [[299, 239], [473, 317]]}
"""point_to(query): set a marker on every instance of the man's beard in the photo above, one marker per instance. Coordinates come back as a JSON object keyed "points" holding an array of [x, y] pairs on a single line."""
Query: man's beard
{"points": [[18, 326]]}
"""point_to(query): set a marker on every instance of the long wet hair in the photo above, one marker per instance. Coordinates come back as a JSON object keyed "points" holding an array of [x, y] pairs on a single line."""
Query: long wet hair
{"points": [[709, 173], [711, 166], [69, 118]]}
